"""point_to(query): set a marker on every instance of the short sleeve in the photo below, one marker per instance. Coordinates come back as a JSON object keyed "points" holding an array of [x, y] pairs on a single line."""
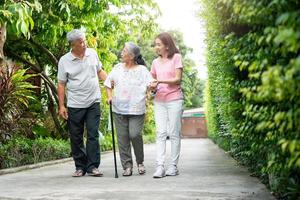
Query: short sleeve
{"points": [[153, 71], [147, 76], [61, 74], [110, 77], [108, 80], [98, 62], [99, 65], [177, 61]]}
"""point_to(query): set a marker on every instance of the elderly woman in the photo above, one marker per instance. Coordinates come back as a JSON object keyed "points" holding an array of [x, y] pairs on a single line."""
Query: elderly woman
{"points": [[131, 80]]}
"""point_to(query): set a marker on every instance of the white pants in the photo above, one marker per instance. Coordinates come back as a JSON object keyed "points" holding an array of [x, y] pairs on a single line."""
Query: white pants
{"points": [[168, 120]]}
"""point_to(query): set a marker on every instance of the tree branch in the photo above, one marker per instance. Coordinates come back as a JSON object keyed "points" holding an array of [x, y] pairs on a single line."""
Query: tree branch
{"points": [[36, 68], [53, 59]]}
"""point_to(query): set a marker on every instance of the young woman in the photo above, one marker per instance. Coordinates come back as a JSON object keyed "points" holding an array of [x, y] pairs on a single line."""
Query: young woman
{"points": [[167, 70], [131, 80]]}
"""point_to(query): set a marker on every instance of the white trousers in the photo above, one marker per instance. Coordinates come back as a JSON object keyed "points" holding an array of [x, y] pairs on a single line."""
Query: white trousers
{"points": [[168, 122]]}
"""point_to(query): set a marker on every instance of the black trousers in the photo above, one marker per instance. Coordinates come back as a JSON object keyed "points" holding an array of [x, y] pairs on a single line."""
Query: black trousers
{"points": [[86, 158]]}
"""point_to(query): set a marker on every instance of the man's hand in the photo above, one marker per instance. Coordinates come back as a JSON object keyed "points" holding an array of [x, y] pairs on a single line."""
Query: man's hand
{"points": [[63, 112]]}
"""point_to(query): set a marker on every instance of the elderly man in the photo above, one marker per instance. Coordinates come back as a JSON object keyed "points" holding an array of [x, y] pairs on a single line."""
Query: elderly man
{"points": [[78, 73]]}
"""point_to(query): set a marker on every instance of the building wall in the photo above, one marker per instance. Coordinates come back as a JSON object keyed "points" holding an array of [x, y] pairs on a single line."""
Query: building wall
{"points": [[194, 127]]}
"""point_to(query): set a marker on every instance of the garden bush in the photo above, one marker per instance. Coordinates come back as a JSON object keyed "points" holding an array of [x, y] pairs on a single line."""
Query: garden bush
{"points": [[253, 89], [22, 151]]}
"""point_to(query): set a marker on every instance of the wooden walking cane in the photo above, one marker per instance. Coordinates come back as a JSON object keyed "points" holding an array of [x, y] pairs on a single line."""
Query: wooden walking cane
{"points": [[113, 138]]}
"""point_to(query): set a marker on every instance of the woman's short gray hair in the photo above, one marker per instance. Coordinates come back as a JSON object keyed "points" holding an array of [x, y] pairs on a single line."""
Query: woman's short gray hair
{"points": [[133, 49], [75, 34]]}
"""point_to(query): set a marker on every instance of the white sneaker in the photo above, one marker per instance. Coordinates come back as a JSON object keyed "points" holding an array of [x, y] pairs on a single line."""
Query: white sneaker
{"points": [[160, 172], [172, 171]]}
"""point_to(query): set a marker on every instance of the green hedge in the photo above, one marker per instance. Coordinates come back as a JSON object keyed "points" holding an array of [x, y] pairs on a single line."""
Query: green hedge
{"points": [[253, 89], [21, 151]]}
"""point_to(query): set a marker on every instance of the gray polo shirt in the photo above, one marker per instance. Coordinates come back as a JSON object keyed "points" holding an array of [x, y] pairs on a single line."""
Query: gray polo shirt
{"points": [[81, 78]]}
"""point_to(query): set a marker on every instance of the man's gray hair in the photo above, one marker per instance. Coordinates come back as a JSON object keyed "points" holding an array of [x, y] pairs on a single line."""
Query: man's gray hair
{"points": [[133, 49], [75, 34]]}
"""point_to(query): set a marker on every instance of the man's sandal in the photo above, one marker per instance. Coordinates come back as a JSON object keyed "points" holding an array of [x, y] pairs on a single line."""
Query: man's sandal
{"points": [[78, 173], [95, 172]]}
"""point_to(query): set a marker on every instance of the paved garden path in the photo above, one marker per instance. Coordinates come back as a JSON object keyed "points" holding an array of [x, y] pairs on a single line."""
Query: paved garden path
{"points": [[206, 173]]}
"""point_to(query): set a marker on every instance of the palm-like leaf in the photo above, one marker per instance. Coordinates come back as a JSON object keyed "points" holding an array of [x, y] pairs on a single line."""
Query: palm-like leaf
{"points": [[15, 92]]}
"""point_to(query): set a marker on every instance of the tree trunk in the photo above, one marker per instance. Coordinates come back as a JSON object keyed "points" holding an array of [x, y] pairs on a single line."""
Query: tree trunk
{"points": [[2, 41], [52, 110]]}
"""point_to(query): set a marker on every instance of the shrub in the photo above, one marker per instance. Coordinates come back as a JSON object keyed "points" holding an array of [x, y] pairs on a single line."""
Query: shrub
{"points": [[15, 93], [22, 151], [253, 91]]}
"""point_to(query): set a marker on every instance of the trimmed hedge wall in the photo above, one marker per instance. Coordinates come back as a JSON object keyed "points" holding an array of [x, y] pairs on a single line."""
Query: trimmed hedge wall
{"points": [[253, 88]]}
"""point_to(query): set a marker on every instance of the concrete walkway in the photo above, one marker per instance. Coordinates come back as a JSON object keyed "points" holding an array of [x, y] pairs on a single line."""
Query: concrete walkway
{"points": [[206, 173]]}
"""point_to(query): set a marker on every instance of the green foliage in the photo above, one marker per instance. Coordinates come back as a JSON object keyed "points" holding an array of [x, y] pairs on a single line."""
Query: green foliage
{"points": [[149, 132], [192, 85], [18, 15], [36, 37], [252, 97], [44, 149], [106, 142], [15, 94], [21, 151]]}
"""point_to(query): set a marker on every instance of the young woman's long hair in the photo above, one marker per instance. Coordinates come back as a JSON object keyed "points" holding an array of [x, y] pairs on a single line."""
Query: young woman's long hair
{"points": [[169, 43]]}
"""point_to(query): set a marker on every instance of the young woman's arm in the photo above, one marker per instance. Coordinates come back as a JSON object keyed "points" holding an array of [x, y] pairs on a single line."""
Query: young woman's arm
{"points": [[173, 81]]}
